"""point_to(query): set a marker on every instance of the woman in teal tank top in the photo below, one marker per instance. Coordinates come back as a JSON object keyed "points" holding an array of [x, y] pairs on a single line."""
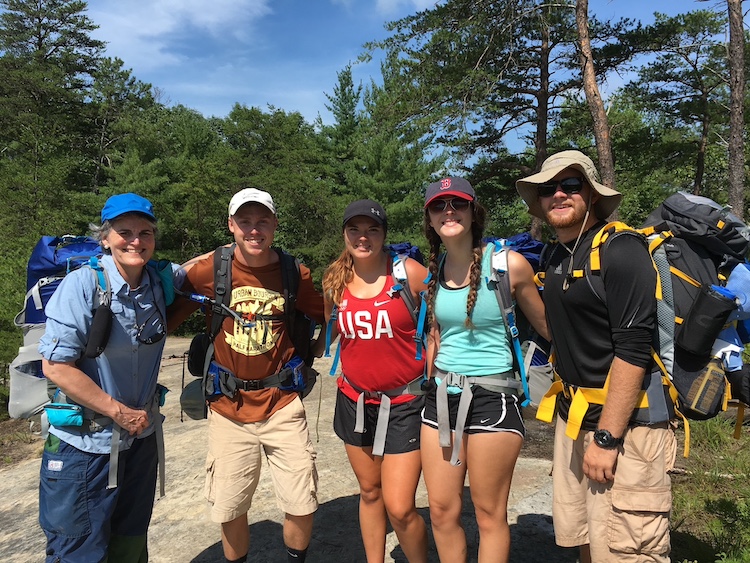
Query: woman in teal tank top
{"points": [[471, 421]]}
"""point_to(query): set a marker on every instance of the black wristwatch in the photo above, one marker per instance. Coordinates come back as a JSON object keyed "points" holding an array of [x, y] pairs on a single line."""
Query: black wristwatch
{"points": [[605, 440]]}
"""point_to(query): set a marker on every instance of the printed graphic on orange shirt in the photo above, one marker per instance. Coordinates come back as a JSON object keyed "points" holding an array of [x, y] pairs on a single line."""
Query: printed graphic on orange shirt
{"points": [[252, 302]]}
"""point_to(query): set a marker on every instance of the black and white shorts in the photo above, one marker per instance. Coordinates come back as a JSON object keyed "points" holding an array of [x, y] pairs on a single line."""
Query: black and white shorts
{"points": [[490, 411], [403, 426]]}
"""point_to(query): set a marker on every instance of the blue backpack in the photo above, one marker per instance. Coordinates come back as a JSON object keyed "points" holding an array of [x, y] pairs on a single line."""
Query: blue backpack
{"points": [[51, 260]]}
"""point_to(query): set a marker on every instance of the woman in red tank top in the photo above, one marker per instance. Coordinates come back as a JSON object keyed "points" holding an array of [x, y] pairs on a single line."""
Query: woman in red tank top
{"points": [[377, 416]]}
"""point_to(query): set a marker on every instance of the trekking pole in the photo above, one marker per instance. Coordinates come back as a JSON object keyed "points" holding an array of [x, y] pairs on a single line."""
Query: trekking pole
{"points": [[205, 300]]}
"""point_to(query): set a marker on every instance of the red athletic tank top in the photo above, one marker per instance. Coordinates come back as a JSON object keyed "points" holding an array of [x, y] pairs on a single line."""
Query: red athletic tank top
{"points": [[377, 344]]}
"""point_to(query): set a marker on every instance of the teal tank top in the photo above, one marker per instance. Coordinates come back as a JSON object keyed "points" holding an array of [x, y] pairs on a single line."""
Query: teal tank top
{"points": [[482, 350]]}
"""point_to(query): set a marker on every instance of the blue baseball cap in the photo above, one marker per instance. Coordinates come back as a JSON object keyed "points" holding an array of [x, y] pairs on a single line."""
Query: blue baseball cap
{"points": [[127, 203]]}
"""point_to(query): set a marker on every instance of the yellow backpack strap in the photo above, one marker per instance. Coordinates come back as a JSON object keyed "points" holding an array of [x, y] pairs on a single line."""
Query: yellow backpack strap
{"points": [[546, 409], [586, 396], [740, 419], [600, 238]]}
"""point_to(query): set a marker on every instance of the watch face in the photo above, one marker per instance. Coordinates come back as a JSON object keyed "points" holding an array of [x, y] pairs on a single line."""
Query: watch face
{"points": [[604, 439]]}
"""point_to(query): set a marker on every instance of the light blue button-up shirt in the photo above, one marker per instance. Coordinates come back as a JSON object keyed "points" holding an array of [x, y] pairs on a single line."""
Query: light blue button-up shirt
{"points": [[127, 369]]}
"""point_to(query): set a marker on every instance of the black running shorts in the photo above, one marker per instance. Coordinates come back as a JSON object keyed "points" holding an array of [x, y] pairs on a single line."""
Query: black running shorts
{"points": [[403, 426]]}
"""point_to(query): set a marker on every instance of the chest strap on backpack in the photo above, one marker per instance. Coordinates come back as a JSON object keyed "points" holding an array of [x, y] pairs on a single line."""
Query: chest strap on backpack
{"points": [[497, 383], [384, 409]]}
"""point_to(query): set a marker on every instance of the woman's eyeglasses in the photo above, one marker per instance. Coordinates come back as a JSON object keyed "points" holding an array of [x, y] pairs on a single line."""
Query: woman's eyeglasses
{"points": [[456, 203], [152, 330], [569, 186]]}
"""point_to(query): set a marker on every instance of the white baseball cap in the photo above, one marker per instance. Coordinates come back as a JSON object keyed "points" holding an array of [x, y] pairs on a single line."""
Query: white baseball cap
{"points": [[251, 195]]}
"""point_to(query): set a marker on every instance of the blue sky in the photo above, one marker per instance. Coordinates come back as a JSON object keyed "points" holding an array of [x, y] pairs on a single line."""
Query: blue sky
{"points": [[285, 53]]}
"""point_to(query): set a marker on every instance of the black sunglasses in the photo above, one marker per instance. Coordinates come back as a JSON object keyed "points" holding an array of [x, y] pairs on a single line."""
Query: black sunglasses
{"points": [[456, 203], [152, 330], [569, 185]]}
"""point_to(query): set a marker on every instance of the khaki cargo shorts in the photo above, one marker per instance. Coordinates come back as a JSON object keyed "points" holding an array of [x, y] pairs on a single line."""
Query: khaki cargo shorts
{"points": [[625, 520], [235, 456]]}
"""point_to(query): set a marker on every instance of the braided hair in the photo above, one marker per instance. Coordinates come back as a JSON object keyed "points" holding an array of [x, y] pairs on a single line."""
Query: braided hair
{"points": [[479, 215]]}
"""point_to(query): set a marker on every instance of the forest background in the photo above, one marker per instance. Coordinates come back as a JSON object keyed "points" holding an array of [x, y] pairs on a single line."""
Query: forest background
{"points": [[456, 82]]}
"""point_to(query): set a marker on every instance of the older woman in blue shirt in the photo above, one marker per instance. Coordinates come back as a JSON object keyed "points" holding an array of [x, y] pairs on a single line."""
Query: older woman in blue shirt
{"points": [[98, 476]]}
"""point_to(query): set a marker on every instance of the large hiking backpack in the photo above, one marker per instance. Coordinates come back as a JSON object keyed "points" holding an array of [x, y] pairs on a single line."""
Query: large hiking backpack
{"points": [[398, 252], [200, 356], [694, 244], [51, 260], [705, 242]]}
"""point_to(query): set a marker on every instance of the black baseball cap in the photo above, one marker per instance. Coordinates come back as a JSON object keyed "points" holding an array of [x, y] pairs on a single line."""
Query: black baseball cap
{"points": [[366, 208]]}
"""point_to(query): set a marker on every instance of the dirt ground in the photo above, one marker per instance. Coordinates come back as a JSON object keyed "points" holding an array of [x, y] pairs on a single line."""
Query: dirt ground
{"points": [[180, 527]]}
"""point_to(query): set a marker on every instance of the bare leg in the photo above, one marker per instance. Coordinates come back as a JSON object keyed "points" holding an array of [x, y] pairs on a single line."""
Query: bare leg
{"points": [[400, 477], [491, 458], [372, 523], [235, 537], [445, 486], [298, 531]]}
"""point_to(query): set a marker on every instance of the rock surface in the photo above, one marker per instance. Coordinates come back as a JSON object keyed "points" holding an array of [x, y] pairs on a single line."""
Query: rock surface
{"points": [[182, 532]]}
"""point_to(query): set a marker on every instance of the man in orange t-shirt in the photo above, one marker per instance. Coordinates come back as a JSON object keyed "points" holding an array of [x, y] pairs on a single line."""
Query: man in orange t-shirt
{"points": [[268, 421]]}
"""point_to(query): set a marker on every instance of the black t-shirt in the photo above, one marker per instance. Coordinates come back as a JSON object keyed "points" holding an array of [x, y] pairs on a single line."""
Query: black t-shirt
{"points": [[601, 315]]}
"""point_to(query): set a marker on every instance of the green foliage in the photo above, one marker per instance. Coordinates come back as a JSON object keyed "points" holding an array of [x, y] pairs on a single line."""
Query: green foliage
{"points": [[712, 500], [76, 127]]}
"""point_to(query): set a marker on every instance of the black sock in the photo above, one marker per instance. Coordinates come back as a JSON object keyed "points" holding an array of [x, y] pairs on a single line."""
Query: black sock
{"points": [[240, 560], [295, 555]]}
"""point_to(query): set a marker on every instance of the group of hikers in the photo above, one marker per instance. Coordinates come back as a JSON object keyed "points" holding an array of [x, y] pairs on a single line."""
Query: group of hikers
{"points": [[611, 488]]}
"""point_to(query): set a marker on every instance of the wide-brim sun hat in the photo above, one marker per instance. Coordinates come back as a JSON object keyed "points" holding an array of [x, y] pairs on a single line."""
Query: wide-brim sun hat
{"points": [[527, 187]]}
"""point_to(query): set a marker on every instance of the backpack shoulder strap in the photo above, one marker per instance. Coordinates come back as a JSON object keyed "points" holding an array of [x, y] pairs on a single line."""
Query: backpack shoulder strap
{"points": [[499, 282], [223, 257], [103, 288], [501, 279], [401, 284], [290, 279], [606, 234], [418, 312]]}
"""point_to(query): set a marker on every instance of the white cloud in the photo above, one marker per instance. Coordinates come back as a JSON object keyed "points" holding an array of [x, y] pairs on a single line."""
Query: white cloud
{"points": [[147, 34], [388, 7]]}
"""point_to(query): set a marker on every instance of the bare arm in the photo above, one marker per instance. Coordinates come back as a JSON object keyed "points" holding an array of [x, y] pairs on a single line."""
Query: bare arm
{"points": [[82, 389], [526, 294], [625, 381], [433, 345]]}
